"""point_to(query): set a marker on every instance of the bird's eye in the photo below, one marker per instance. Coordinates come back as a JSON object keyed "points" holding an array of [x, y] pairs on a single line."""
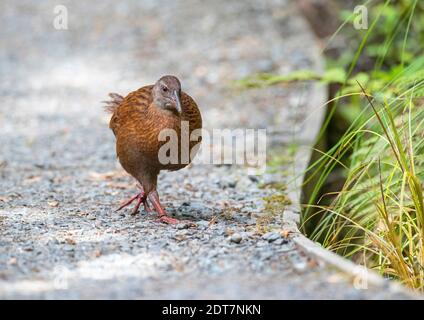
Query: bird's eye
{"points": [[164, 89]]}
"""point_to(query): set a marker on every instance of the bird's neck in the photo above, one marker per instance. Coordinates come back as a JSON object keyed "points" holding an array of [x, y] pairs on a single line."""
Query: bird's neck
{"points": [[159, 111]]}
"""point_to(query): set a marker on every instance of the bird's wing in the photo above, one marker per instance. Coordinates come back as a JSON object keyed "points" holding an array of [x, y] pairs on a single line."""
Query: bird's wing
{"points": [[191, 111], [123, 110]]}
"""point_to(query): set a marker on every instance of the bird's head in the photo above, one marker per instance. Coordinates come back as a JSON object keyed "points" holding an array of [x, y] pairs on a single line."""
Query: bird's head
{"points": [[167, 94]]}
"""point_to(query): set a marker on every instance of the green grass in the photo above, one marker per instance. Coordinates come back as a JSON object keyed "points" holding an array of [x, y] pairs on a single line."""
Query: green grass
{"points": [[378, 216]]}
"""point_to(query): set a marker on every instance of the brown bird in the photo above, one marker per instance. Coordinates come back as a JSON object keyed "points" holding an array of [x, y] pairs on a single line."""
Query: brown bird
{"points": [[137, 120]]}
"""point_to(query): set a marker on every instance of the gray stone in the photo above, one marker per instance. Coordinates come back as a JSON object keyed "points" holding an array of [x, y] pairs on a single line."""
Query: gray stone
{"points": [[183, 225], [202, 224], [236, 238], [281, 241], [271, 236]]}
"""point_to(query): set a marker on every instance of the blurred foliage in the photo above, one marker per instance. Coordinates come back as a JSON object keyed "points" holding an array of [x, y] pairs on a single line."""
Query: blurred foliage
{"points": [[396, 38]]}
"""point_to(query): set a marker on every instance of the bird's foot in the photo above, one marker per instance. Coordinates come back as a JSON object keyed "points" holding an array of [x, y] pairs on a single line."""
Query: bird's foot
{"points": [[141, 199], [163, 216], [168, 220]]}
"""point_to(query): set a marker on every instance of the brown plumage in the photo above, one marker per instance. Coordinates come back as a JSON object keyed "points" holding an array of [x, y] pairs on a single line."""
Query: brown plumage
{"points": [[137, 121]]}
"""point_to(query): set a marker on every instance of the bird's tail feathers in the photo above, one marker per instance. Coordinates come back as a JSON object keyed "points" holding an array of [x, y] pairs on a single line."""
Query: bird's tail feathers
{"points": [[114, 102]]}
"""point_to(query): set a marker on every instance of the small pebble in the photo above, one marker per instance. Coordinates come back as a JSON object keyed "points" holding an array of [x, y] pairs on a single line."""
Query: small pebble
{"points": [[261, 243], [68, 247], [253, 178], [181, 232], [203, 224], [271, 236], [281, 241], [236, 238], [183, 225], [300, 266], [53, 204]]}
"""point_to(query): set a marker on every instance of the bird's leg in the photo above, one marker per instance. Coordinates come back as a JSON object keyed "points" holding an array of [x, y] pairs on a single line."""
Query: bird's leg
{"points": [[146, 205], [163, 217], [141, 198]]}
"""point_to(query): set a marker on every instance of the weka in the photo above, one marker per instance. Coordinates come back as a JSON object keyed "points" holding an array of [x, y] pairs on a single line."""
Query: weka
{"points": [[137, 121]]}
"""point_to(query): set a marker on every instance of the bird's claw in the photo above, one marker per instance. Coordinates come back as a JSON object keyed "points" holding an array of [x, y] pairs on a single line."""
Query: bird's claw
{"points": [[168, 220], [128, 202]]}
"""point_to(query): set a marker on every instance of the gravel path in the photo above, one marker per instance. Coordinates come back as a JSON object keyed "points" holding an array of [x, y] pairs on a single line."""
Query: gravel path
{"points": [[59, 177]]}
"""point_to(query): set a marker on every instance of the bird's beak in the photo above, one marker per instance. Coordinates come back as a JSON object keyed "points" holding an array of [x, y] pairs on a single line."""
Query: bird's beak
{"points": [[177, 101]]}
